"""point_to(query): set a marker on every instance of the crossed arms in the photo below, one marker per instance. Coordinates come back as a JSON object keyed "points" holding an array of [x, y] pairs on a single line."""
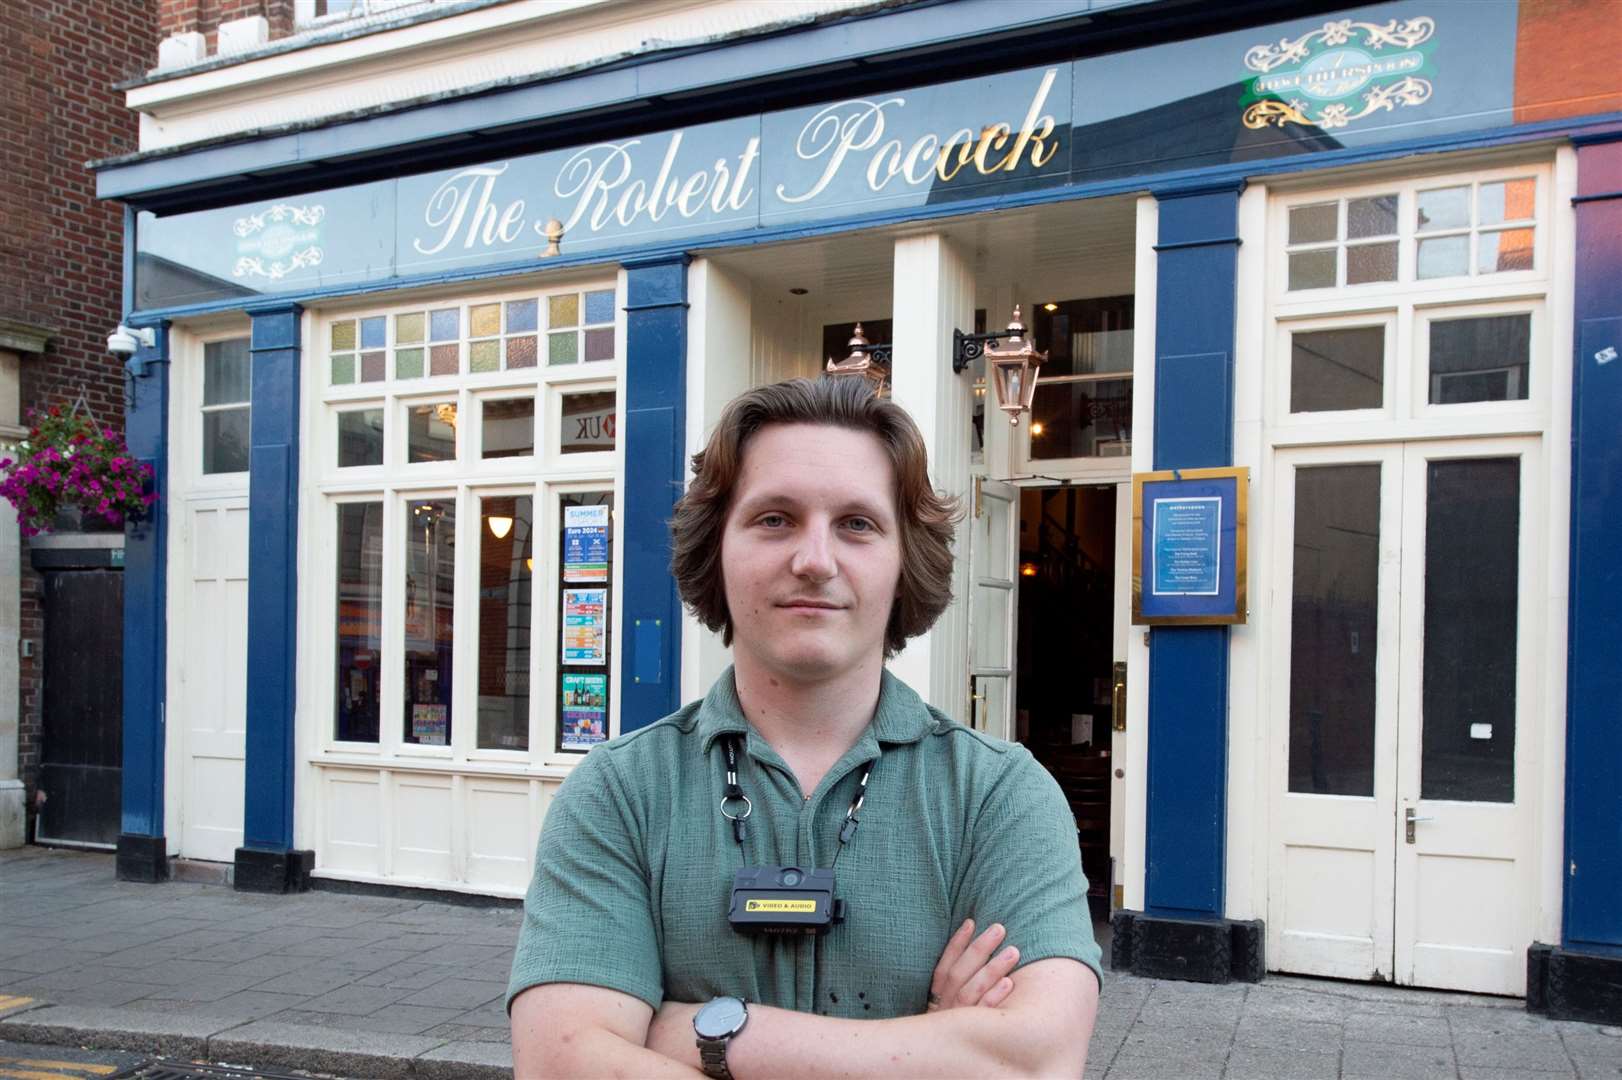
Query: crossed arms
{"points": [[992, 1021]]}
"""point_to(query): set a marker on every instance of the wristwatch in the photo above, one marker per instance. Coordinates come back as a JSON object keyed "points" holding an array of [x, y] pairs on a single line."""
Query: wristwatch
{"points": [[715, 1025]]}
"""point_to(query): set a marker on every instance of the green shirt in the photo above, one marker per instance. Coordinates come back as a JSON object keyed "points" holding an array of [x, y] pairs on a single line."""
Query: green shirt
{"points": [[635, 864]]}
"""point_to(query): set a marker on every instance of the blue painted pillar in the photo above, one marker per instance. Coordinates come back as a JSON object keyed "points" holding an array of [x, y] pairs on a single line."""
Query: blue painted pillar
{"points": [[1593, 896], [655, 439], [142, 850], [1197, 259], [266, 862]]}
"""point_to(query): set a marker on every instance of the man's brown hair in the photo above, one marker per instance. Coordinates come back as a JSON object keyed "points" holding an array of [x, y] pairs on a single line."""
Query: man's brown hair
{"points": [[926, 520]]}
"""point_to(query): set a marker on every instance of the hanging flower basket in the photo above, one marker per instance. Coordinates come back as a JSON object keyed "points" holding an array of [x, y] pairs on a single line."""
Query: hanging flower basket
{"points": [[68, 460]]}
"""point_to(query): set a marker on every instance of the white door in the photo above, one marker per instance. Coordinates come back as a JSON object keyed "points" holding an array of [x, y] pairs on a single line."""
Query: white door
{"points": [[209, 711], [993, 606], [1121, 620], [1406, 621]]}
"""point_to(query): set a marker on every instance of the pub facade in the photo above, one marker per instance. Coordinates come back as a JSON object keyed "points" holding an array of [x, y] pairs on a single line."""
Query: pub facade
{"points": [[439, 311]]}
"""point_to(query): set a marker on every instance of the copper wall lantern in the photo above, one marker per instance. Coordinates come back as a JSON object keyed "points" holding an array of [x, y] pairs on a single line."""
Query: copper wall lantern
{"points": [[1013, 361]]}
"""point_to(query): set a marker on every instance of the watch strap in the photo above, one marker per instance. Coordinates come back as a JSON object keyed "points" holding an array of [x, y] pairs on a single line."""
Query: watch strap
{"points": [[712, 1056]]}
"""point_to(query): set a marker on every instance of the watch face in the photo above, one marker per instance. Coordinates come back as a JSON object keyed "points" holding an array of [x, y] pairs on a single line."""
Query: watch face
{"points": [[720, 1018]]}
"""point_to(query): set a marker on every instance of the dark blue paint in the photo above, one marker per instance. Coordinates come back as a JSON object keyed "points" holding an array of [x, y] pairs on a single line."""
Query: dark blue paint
{"points": [[1593, 894], [146, 422], [1186, 789], [655, 390], [273, 460]]}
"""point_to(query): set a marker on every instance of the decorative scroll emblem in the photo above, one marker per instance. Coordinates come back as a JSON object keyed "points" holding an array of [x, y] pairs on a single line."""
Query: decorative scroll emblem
{"points": [[275, 242], [1339, 73]]}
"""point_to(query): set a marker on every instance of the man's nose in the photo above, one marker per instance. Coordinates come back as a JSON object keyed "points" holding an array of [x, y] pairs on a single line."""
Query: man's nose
{"points": [[814, 555]]}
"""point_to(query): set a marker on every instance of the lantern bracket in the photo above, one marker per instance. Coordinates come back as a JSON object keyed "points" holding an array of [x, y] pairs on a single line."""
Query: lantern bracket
{"points": [[967, 348]]}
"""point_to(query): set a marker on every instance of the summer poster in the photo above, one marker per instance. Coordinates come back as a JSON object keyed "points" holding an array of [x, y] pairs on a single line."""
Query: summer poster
{"points": [[585, 626], [585, 711], [585, 543]]}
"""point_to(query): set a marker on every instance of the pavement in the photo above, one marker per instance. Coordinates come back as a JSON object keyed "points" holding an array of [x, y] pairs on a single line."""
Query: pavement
{"points": [[367, 986]]}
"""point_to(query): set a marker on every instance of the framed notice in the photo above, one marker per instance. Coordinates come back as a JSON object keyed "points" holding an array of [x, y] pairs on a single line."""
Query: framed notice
{"points": [[585, 543], [1188, 547], [585, 711], [585, 626]]}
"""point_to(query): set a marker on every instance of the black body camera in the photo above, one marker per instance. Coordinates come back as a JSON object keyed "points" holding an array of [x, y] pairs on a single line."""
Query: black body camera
{"points": [[784, 900]]}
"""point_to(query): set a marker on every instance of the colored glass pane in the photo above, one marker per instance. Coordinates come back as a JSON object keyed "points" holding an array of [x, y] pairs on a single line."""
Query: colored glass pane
{"points": [[371, 366], [343, 335], [600, 306], [521, 315], [443, 359], [343, 369], [374, 332], [408, 328], [408, 363], [562, 348], [445, 324], [520, 352], [600, 344], [563, 310], [484, 356], [485, 320]]}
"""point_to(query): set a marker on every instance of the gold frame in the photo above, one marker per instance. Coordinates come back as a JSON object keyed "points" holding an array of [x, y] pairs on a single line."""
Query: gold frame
{"points": [[1241, 552]]}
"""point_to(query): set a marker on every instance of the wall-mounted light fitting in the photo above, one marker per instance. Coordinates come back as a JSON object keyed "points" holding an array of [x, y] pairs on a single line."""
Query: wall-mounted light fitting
{"points": [[1012, 360]]}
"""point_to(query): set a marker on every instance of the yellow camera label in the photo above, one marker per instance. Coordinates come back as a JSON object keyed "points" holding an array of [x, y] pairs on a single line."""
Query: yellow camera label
{"points": [[807, 906]]}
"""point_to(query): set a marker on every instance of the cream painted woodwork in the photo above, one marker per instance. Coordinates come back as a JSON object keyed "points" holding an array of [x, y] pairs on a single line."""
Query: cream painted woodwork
{"points": [[463, 814], [993, 601], [475, 47], [1120, 705], [1348, 893]]}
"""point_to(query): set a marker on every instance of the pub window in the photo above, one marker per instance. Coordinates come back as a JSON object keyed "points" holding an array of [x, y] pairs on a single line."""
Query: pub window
{"points": [[1342, 242], [226, 406], [1476, 229], [1083, 402]]}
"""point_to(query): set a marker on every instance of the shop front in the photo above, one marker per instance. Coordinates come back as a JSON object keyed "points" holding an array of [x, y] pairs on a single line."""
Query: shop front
{"points": [[422, 413]]}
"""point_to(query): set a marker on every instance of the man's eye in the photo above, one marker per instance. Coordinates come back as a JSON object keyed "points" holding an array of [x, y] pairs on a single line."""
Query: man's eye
{"points": [[773, 521], [859, 524]]}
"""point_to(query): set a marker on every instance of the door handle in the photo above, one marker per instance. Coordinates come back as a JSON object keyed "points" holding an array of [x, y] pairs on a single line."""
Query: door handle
{"points": [[1118, 697], [1411, 819]]}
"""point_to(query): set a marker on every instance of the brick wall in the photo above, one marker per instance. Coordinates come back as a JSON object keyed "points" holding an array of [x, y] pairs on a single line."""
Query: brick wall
{"points": [[61, 251], [205, 16]]}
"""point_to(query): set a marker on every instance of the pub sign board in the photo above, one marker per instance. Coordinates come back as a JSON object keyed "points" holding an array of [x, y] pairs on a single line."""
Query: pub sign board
{"points": [[1189, 547], [1349, 79]]}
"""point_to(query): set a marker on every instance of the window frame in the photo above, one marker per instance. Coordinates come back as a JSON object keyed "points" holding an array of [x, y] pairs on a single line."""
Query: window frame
{"points": [[467, 479], [196, 393]]}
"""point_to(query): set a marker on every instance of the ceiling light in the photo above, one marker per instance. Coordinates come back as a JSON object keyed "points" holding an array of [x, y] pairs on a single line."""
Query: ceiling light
{"points": [[500, 526]]}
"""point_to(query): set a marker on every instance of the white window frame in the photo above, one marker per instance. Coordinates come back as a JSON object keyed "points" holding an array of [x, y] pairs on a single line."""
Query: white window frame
{"points": [[467, 479]]}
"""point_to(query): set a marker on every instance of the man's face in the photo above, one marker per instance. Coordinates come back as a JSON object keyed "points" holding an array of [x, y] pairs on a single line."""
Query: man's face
{"points": [[811, 553]]}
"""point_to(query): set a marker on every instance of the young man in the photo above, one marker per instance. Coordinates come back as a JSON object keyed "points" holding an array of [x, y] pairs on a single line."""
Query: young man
{"points": [[811, 538]]}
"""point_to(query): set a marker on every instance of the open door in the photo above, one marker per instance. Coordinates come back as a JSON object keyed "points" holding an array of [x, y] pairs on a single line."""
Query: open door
{"points": [[993, 606]]}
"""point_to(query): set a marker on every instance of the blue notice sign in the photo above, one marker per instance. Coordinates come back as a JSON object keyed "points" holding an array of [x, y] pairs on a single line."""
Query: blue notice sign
{"points": [[1187, 545]]}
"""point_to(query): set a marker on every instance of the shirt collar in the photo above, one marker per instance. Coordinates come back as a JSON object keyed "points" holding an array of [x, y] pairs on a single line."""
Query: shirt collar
{"points": [[901, 716]]}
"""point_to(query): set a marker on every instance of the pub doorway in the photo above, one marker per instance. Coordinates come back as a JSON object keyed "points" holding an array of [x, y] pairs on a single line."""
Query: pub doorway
{"points": [[1069, 656]]}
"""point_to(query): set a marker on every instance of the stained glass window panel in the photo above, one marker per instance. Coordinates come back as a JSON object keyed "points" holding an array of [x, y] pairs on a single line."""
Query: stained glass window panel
{"points": [[343, 335], [408, 363], [562, 348], [520, 352], [443, 359], [374, 332], [343, 369], [408, 328], [521, 316], [563, 310], [371, 366], [600, 344], [600, 306], [484, 355], [445, 324], [485, 320]]}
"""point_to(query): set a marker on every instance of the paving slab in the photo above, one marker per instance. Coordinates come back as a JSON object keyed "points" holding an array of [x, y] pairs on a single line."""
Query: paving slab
{"points": [[172, 1035], [1274, 1063], [339, 1051]]}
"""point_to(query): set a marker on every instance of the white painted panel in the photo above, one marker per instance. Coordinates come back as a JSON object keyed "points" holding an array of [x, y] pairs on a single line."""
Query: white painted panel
{"points": [[498, 834], [423, 824], [214, 808], [1330, 892], [354, 823]]}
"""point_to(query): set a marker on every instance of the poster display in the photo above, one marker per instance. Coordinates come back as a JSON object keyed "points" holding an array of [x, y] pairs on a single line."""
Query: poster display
{"points": [[585, 711], [429, 725], [585, 626], [1189, 547], [585, 543]]}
